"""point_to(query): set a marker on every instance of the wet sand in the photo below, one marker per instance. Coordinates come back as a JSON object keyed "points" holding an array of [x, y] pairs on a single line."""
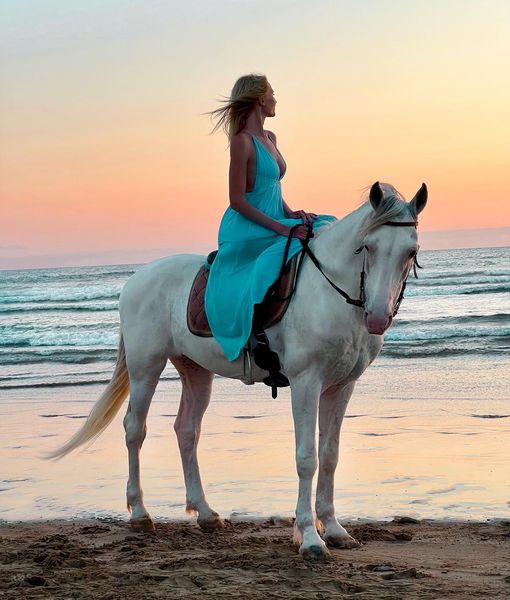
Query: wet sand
{"points": [[440, 452], [104, 559]]}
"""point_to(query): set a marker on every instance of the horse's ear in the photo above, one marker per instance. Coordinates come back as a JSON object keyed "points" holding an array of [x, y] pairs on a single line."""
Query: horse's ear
{"points": [[376, 195], [419, 201]]}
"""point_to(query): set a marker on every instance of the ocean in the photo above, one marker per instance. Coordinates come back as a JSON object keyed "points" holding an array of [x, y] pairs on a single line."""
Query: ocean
{"points": [[427, 416]]}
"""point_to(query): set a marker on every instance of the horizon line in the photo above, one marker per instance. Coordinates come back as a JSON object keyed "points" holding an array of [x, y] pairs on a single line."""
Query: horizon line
{"points": [[111, 257]]}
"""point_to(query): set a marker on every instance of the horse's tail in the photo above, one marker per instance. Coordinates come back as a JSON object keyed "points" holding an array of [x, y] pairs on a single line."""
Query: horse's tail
{"points": [[103, 411]]}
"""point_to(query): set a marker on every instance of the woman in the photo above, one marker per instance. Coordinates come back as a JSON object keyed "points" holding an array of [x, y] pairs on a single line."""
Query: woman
{"points": [[255, 227]]}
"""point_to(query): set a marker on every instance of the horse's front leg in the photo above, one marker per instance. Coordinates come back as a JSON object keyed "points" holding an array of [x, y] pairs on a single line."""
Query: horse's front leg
{"points": [[305, 392], [332, 406]]}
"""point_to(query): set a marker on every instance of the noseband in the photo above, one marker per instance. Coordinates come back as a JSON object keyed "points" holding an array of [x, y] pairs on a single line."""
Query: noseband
{"points": [[362, 297]]}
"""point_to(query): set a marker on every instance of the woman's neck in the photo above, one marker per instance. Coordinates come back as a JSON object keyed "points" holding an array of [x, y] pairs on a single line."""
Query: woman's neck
{"points": [[255, 123]]}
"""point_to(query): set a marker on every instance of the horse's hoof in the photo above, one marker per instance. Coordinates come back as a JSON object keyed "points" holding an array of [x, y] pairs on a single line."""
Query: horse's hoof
{"points": [[143, 525], [315, 552], [212, 523], [344, 542]]}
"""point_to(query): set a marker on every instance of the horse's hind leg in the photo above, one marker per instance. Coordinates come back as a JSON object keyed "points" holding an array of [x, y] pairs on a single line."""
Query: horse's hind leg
{"points": [[196, 393], [332, 406], [143, 379]]}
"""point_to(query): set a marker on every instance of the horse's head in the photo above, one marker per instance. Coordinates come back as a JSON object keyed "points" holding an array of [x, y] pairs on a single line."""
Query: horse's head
{"points": [[390, 243]]}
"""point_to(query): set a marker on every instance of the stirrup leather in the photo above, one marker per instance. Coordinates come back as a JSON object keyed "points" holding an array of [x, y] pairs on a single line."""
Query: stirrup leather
{"points": [[268, 360]]}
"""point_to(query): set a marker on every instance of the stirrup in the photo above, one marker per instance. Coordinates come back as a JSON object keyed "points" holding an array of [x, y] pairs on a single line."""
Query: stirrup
{"points": [[274, 381]]}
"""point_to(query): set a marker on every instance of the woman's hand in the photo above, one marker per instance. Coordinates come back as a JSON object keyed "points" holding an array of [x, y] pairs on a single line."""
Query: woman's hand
{"points": [[307, 218], [300, 232]]}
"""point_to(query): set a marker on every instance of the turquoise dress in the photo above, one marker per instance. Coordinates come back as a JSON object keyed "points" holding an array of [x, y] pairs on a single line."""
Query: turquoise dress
{"points": [[249, 258]]}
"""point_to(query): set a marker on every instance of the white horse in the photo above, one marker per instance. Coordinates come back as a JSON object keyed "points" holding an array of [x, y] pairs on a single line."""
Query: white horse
{"points": [[324, 345]]}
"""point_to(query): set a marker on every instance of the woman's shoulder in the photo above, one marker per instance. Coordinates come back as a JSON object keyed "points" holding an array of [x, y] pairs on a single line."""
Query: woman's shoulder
{"points": [[241, 135], [241, 143]]}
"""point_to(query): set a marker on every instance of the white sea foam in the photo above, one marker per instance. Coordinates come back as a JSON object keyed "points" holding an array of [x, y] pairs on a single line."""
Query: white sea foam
{"points": [[62, 294], [458, 281], [445, 332], [455, 290], [61, 338], [59, 317], [31, 307]]}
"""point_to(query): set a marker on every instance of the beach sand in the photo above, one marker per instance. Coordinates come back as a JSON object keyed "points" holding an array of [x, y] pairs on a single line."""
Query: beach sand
{"points": [[104, 559], [440, 452]]}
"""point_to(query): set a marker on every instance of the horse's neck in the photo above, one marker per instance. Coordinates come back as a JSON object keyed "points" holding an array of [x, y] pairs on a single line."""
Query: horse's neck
{"points": [[335, 248], [341, 238]]}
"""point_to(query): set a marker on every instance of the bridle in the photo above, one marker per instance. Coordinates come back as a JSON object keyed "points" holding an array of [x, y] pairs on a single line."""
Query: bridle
{"points": [[360, 302], [414, 266]]}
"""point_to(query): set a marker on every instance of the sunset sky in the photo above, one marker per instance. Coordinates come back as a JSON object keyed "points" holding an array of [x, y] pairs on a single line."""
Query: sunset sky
{"points": [[105, 156]]}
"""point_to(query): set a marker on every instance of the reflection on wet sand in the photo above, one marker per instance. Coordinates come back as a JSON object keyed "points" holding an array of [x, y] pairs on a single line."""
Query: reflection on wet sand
{"points": [[426, 456]]}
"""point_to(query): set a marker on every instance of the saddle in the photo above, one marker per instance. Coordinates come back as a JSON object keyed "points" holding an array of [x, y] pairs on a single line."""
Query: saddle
{"points": [[272, 308]]}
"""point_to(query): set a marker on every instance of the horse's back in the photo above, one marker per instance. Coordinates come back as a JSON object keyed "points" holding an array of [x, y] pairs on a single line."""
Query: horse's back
{"points": [[168, 273], [158, 290]]}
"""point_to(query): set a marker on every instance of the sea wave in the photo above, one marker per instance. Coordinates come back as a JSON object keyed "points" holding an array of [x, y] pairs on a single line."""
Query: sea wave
{"points": [[62, 294], [431, 352], [94, 335], [435, 274], [80, 356], [63, 298], [449, 290], [51, 384], [60, 338], [491, 318], [437, 348], [445, 332], [38, 276], [104, 340], [69, 315], [36, 308], [458, 280], [72, 383]]}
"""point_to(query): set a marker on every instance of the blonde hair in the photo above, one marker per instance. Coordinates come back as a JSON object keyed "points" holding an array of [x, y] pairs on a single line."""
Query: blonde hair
{"points": [[245, 94]]}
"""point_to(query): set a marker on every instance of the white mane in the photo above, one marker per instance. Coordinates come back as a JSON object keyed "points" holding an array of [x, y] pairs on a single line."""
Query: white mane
{"points": [[393, 205]]}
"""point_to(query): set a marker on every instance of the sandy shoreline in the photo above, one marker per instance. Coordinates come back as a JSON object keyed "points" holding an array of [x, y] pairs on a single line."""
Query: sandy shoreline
{"points": [[104, 559]]}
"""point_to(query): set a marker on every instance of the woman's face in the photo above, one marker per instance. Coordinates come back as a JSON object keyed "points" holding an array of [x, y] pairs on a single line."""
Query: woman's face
{"points": [[268, 102]]}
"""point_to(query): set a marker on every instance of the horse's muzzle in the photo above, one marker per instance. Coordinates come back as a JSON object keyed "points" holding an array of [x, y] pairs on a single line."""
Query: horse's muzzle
{"points": [[377, 323]]}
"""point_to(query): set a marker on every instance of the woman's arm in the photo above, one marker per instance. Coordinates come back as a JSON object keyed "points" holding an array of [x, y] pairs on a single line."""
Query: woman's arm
{"points": [[286, 208]]}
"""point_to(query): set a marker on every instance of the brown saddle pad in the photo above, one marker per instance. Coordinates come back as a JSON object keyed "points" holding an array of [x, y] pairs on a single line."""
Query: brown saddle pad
{"points": [[273, 309]]}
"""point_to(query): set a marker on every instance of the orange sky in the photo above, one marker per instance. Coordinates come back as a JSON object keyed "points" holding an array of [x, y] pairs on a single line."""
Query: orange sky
{"points": [[105, 157]]}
